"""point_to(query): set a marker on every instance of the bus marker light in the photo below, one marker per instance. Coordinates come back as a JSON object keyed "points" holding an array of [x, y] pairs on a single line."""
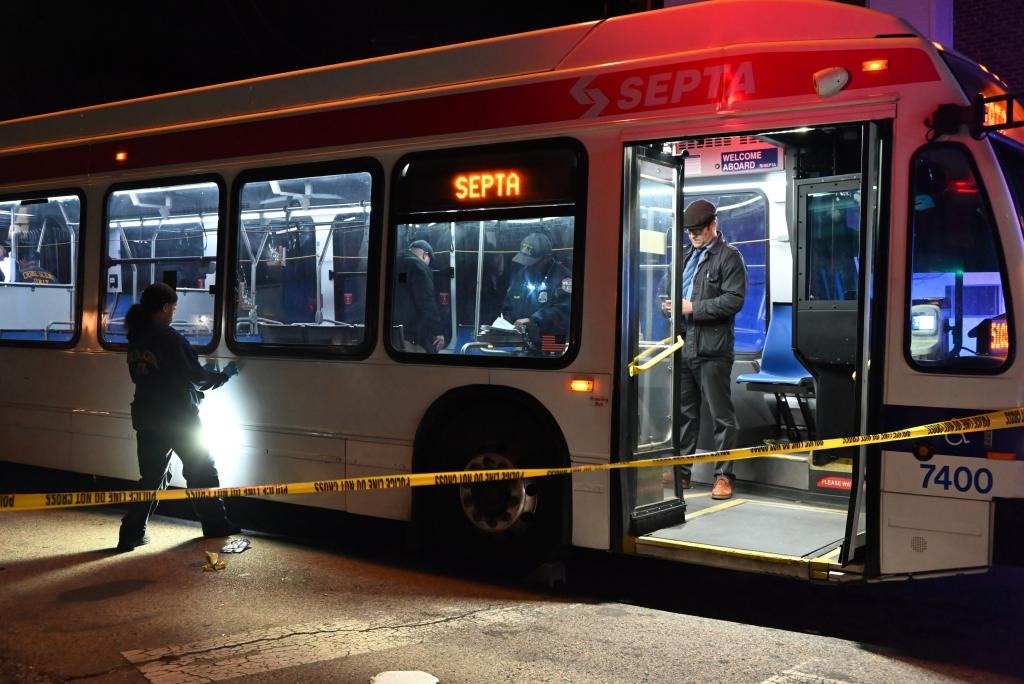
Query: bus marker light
{"points": [[121, 156], [1001, 455], [581, 385], [875, 65], [995, 113]]}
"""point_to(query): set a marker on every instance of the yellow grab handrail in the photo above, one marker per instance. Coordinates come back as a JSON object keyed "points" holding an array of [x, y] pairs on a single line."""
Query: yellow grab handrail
{"points": [[636, 369]]}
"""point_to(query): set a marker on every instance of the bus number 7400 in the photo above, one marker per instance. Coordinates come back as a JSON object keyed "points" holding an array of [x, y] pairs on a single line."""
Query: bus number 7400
{"points": [[963, 479]]}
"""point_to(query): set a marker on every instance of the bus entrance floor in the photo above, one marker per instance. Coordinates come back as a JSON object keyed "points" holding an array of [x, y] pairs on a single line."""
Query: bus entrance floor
{"points": [[759, 519]]}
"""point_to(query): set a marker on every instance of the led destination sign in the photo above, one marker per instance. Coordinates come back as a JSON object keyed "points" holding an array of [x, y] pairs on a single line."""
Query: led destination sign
{"points": [[488, 185], [495, 177]]}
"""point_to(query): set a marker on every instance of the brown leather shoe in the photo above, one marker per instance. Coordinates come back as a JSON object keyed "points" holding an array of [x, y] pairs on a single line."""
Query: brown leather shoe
{"points": [[723, 489]]}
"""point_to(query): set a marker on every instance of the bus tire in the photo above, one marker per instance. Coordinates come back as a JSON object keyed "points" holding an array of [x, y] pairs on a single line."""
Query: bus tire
{"points": [[504, 527]]}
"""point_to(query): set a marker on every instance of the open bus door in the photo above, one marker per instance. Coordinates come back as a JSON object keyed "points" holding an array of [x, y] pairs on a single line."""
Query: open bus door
{"points": [[800, 513], [652, 231]]}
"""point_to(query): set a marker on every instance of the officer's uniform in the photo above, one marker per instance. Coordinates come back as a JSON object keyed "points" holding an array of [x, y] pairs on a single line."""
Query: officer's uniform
{"points": [[541, 291], [165, 414], [33, 272], [546, 300]]}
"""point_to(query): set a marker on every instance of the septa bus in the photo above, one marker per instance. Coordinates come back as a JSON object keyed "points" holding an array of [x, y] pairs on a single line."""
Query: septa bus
{"points": [[872, 181]]}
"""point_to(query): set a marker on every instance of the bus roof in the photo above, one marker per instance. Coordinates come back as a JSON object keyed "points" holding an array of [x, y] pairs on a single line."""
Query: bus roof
{"points": [[646, 35]]}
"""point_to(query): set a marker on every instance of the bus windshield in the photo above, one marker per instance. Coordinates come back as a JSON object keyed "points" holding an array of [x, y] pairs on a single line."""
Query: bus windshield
{"points": [[1011, 159]]}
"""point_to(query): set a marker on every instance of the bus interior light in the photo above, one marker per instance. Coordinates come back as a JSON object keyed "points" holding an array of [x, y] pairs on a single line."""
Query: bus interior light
{"points": [[875, 65], [581, 385], [121, 156]]}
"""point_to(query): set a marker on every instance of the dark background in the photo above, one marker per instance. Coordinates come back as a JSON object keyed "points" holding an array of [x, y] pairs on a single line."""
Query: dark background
{"points": [[56, 56], [62, 55]]}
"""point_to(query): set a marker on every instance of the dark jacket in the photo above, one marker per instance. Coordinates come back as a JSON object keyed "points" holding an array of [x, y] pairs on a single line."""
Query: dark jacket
{"points": [[544, 298], [34, 273], [168, 379], [415, 305], [719, 288]]}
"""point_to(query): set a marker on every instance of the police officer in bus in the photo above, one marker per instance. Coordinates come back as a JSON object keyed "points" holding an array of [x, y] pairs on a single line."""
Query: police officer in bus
{"points": [[714, 288], [417, 324], [31, 269], [539, 296]]}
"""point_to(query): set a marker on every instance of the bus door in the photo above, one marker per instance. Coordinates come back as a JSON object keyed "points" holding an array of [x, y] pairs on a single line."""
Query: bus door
{"points": [[802, 207], [652, 226], [837, 244]]}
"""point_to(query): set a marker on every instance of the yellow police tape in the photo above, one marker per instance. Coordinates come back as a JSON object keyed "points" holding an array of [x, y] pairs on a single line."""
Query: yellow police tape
{"points": [[996, 420]]}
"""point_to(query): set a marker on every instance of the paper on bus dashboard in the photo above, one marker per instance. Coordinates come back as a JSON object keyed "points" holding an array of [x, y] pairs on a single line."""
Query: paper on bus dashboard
{"points": [[501, 324]]}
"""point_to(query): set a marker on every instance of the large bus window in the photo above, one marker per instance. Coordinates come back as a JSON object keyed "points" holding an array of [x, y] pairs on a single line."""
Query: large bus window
{"points": [[164, 233], [302, 254], [39, 240], [957, 314], [743, 221], [484, 248]]}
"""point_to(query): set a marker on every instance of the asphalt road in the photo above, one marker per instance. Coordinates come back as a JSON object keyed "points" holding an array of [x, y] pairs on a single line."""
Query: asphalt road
{"points": [[345, 609]]}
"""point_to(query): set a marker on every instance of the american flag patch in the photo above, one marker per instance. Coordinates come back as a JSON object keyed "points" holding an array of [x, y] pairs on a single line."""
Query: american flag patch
{"points": [[552, 343]]}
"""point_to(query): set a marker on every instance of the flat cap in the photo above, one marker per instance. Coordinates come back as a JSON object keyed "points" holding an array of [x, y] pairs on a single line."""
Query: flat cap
{"points": [[698, 214]]}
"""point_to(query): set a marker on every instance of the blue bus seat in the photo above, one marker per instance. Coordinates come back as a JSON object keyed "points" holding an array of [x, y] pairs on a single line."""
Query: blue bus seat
{"points": [[782, 374]]}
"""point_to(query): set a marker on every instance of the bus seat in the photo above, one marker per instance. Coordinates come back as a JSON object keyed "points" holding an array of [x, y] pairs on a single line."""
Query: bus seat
{"points": [[782, 374]]}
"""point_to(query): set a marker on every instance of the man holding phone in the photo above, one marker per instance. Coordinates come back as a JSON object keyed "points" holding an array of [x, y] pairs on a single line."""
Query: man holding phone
{"points": [[713, 290]]}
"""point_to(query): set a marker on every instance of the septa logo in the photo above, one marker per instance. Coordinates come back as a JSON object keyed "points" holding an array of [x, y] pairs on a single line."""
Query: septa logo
{"points": [[833, 482], [670, 86]]}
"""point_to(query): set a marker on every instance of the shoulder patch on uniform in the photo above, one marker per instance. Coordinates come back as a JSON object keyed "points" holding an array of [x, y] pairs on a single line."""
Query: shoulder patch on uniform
{"points": [[567, 285]]}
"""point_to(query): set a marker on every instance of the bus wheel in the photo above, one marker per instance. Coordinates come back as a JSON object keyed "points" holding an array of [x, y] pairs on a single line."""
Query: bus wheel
{"points": [[498, 506], [505, 527]]}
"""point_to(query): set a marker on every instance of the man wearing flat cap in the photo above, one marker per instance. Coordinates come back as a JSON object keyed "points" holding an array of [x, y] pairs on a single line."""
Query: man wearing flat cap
{"points": [[417, 325], [539, 295], [713, 289]]}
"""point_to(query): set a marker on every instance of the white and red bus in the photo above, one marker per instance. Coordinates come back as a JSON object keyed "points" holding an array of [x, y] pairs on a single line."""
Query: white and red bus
{"points": [[876, 201]]}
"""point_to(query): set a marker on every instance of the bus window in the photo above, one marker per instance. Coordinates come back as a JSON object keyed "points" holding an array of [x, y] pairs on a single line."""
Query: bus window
{"points": [[744, 221], [833, 226], [957, 314], [484, 252], [301, 264], [39, 241], [163, 233], [480, 283]]}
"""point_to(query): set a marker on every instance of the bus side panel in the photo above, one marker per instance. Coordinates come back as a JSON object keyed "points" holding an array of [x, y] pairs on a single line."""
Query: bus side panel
{"points": [[921, 534], [937, 513]]}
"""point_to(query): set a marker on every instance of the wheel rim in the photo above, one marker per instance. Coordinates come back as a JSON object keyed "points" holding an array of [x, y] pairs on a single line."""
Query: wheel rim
{"points": [[501, 505]]}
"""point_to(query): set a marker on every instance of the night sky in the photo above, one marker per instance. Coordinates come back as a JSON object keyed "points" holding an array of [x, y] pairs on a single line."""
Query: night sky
{"points": [[81, 53]]}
